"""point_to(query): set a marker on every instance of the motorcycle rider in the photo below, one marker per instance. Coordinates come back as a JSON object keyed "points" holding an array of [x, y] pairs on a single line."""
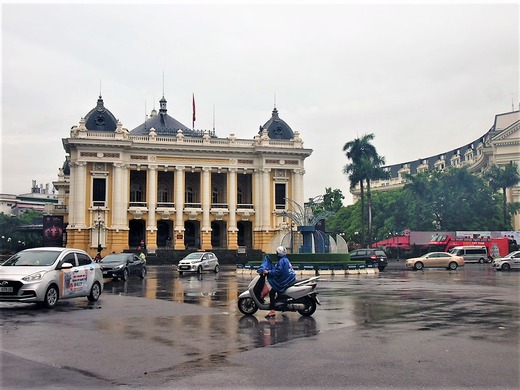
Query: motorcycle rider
{"points": [[280, 276]]}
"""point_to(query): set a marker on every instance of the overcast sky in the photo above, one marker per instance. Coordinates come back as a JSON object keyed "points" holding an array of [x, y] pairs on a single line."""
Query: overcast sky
{"points": [[424, 79]]}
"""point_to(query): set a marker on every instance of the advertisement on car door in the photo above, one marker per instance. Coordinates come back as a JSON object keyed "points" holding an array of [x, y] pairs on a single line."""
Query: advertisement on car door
{"points": [[76, 281]]}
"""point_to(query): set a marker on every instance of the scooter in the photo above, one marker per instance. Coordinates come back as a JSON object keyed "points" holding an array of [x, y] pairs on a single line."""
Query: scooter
{"points": [[300, 297]]}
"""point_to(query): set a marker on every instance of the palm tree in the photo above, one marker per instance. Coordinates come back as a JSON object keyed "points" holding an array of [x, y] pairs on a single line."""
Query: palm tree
{"points": [[372, 167], [362, 154], [503, 178]]}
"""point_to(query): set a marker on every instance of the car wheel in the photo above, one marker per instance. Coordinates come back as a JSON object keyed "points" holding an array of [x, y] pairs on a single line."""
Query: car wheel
{"points": [[217, 268], [381, 268], [247, 306], [418, 266], [125, 274], [95, 292], [506, 267], [51, 297], [481, 260], [143, 273], [452, 266], [199, 270]]}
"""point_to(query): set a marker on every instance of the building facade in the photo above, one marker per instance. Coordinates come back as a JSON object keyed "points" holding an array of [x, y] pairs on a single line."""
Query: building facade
{"points": [[500, 145], [169, 186]]}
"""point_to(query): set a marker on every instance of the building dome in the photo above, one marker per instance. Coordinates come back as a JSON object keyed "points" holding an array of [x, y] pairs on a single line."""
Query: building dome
{"points": [[100, 119], [163, 123], [277, 128]]}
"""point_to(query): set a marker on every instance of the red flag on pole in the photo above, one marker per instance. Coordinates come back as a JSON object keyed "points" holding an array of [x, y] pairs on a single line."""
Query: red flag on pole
{"points": [[193, 123]]}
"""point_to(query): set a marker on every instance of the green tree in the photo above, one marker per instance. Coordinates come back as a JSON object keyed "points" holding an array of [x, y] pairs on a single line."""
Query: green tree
{"points": [[503, 178], [361, 152]]}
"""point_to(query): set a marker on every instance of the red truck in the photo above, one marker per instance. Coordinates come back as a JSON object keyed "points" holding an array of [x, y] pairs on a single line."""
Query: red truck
{"points": [[496, 247]]}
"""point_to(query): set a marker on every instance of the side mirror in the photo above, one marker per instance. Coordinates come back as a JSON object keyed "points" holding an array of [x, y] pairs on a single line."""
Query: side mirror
{"points": [[66, 266]]}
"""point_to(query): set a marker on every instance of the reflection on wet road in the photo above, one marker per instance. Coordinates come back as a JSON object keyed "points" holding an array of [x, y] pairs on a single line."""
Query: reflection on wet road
{"points": [[475, 295], [166, 327]]}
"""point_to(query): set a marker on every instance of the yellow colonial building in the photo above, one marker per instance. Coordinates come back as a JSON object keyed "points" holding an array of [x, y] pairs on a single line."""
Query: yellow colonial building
{"points": [[169, 186]]}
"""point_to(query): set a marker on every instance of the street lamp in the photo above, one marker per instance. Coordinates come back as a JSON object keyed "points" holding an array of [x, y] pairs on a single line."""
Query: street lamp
{"points": [[99, 223]]}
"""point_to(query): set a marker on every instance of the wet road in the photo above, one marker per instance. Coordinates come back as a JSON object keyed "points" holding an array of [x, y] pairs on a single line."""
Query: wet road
{"points": [[398, 328]]}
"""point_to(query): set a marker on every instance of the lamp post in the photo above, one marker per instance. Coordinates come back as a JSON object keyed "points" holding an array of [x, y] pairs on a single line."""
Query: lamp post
{"points": [[99, 223]]}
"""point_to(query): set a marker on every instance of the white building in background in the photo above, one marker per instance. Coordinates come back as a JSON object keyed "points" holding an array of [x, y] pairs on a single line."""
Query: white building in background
{"points": [[500, 145], [37, 199]]}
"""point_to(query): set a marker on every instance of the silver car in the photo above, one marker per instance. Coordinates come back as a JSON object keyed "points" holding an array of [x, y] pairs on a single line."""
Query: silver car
{"points": [[46, 275], [198, 262], [508, 262]]}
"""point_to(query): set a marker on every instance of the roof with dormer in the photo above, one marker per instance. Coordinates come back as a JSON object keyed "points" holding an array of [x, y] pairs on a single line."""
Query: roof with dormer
{"points": [[277, 128], [100, 118], [163, 123]]}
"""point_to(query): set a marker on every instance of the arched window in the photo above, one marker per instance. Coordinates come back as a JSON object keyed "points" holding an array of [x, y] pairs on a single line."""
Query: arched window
{"points": [[136, 192], [240, 195], [163, 193], [190, 198], [214, 195]]}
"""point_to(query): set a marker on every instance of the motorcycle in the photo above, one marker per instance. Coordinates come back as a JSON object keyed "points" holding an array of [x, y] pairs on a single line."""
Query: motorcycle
{"points": [[300, 296]]}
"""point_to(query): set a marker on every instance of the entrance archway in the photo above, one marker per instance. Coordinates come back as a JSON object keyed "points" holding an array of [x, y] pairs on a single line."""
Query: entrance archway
{"points": [[192, 234], [137, 232], [218, 235], [245, 234]]}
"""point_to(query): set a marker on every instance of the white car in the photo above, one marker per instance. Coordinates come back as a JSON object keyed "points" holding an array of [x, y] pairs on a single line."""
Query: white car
{"points": [[46, 275], [507, 262], [198, 262]]}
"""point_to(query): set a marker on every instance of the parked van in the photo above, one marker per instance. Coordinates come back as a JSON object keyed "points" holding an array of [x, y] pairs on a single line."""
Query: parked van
{"points": [[472, 254]]}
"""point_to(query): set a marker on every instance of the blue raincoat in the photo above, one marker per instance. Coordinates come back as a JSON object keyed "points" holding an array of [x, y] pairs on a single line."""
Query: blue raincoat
{"points": [[280, 275]]}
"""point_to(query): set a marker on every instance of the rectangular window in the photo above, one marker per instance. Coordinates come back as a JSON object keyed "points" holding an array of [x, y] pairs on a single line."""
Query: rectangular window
{"points": [[279, 195], [99, 187]]}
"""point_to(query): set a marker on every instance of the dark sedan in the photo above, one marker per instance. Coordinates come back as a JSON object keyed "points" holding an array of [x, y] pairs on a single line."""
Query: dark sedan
{"points": [[122, 265], [375, 257]]}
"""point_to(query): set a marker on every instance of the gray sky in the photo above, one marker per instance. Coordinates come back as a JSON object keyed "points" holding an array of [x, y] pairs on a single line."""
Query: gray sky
{"points": [[423, 78]]}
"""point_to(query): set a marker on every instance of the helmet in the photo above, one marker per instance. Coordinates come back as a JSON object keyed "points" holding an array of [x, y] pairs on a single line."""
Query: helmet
{"points": [[281, 251]]}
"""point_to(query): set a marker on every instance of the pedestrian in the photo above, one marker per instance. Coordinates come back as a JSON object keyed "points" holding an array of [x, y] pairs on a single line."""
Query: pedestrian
{"points": [[98, 257], [142, 256], [280, 276]]}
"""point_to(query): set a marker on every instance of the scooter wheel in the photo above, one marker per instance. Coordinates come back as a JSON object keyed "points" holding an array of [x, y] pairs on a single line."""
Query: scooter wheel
{"points": [[247, 306], [310, 307]]}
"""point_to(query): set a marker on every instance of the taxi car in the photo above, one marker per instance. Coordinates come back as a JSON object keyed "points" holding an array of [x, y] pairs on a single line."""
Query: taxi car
{"points": [[198, 262], [435, 260], [508, 262], [46, 275]]}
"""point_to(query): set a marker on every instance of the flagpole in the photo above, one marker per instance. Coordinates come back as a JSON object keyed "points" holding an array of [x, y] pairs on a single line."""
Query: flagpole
{"points": [[193, 118]]}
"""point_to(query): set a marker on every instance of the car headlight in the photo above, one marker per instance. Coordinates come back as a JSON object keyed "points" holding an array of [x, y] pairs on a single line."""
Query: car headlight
{"points": [[120, 266], [34, 277]]}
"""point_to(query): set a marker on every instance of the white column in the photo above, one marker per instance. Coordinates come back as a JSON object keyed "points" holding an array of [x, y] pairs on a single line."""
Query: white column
{"points": [[151, 200], [179, 198], [266, 199], [72, 195], [232, 199], [297, 186], [257, 198], [80, 197], [206, 198], [118, 206]]}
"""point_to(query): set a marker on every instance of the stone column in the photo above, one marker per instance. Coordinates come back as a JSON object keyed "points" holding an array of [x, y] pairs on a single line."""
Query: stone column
{"points": [[118, 205], [266, 199], [151, 203], [179, 185], [205, 240], [80, 198], [257, 199], [232, 204]]}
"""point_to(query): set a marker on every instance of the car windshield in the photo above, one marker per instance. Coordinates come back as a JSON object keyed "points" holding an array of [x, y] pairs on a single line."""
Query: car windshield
{"points": [[32, 258], [114, 258], [193, 256]]}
